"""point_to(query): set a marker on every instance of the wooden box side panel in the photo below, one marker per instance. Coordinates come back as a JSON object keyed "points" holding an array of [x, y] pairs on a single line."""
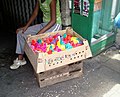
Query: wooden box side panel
{"points": [[60, 70], [31, 56], [41, 63], [88, 52], [60, 78], [87, 49], [64, 57], [44, 35], [60, 74]]}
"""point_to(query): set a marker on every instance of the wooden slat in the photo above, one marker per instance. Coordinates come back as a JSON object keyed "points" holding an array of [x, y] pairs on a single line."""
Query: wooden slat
{"points": [[60, 70], [60, 74]]}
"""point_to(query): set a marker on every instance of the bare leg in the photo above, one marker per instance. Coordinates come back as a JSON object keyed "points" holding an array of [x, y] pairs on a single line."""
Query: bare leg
{"points": [[20, 57]]}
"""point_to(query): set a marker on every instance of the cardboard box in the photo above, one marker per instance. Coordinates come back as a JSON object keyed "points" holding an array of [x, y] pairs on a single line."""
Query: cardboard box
{"points": [[42, 62]]}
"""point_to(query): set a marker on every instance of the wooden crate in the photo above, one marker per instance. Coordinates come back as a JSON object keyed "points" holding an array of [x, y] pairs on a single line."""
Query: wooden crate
{"points": [[60, 74], [42, 62]]}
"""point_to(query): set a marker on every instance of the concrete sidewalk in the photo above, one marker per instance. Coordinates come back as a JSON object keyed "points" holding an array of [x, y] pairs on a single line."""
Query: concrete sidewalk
{"points": [[101, 76]]}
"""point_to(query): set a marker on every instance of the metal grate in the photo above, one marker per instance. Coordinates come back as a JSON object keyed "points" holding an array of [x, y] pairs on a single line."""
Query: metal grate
{"points": [[17, 12]]}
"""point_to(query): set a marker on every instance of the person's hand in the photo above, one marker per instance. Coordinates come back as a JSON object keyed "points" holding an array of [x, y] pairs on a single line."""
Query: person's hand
{"points": [[23, 29]]}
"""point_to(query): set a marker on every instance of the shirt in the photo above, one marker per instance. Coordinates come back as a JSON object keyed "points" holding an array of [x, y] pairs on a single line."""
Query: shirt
{"points": [[45, 7]]}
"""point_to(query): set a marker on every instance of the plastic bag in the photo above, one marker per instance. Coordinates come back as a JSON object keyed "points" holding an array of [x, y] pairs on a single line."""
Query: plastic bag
{"points": [[117, 21]]}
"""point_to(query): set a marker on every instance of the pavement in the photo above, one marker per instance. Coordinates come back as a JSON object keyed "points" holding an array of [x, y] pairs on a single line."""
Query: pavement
{"points": [[101, 75]]}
